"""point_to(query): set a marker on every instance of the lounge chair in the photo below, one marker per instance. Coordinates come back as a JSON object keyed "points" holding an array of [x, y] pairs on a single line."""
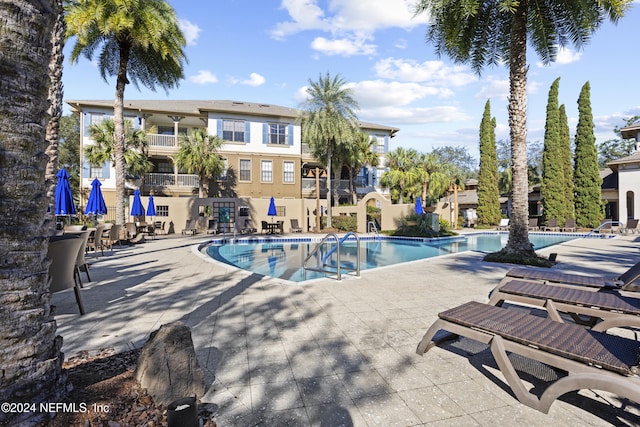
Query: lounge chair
{"points": [[132, 230], [622, 282], [159, 227], [608, 226], [112, 237], [248, 227], [212, 228], [593, 360], [63, 253], [604, 309], [295, 227], [552, 225], [569, 225], [631, 227], [189, 227], [533, 224], [504, 225]]}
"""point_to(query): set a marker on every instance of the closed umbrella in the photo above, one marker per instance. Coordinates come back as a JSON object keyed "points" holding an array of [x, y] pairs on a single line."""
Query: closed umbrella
{"points": [[151, 208], [63, 197], [419, 209], [95, 204], [137, 209], [272, 208]]}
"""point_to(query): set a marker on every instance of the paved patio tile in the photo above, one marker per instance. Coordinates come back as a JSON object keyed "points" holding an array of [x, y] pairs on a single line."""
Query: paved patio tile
{"points": [[386, 410]]}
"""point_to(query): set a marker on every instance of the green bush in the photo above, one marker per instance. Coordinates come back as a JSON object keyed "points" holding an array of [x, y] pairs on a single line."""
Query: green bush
{"points": [[341, 222]]}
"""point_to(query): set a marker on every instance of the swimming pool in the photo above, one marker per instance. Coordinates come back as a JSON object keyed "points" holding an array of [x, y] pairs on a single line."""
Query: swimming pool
{"points": [[283, 258]]}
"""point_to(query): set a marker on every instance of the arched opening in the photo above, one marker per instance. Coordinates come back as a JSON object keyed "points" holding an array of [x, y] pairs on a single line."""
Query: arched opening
{"points": [[630, 205]]}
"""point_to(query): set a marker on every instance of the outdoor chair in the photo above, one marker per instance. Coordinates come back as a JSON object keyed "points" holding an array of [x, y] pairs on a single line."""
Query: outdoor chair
{"points": [[569, 225], [95, 240], [533, 224], [603, 310], [552, 225], [631, 227], [504, 225], [81, 261], [151, 231], [607, 226], [112, 237], [132, 230], [623, 282], [212, 227], [295, 227], [264, 225], [159, 227], [63, 253], [591, 359], [248, 227], [189, 227]]}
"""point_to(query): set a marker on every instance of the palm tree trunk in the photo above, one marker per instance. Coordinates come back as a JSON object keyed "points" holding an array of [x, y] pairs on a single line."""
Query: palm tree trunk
{"points": [[329, 192], [30, 358], [119, 137], [55, 107], [519, 232]]}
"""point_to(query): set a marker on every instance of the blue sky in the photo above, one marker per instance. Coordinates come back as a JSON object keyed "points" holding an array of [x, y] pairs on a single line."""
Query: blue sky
{"points": [[266, 51]]}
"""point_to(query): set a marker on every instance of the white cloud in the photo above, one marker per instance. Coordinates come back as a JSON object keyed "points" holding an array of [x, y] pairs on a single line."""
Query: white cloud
{"points": [[203, 77], [563, 56], [428, 71], [379, 93], [343, 47], [414, 115], [350, 22], [497, 89], [190, 30], [254, 80], [401, 44]]}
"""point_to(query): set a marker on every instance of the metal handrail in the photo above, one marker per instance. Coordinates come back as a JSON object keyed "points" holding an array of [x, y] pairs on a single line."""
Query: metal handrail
{"points": [[598, 228], [325, 268]]}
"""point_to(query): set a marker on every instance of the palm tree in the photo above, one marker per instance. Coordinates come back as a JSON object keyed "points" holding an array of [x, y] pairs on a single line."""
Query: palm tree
{"points": [[329, 119], [433, 176], [103, 150], [360, 153], [198, 154], [483, 32], [403, 173], [31, 360], [55, 103], [138, 42]]}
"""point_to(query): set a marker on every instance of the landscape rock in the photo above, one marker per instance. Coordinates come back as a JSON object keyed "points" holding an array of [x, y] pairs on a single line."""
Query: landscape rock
{"points": [[168, 367]]}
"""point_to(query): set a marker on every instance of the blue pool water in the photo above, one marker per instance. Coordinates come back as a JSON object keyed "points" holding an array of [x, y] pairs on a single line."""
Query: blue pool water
{"points": [[283, 258]]}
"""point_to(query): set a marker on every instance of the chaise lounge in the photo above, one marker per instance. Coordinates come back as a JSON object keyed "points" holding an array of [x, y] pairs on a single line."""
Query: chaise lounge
{"points": [[604, 310], [593, 360], [622, 282]]}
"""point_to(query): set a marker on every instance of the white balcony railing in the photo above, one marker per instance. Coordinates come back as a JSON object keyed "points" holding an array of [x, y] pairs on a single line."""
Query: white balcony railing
{"points": [[170, 180], [155, 140]]}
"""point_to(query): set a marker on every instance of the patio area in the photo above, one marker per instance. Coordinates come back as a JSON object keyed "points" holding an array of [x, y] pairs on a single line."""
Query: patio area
{"points": [[329, 353]]}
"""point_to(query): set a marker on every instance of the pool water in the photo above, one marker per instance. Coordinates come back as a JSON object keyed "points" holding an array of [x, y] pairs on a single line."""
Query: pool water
{"points": [[284, 259]]}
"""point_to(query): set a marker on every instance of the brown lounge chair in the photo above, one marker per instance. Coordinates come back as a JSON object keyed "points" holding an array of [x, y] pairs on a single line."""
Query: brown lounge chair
{"points": [[604, 310], [622, 282], [63, 253], [533, 224], [569, 225], [552, 225], [593, 360], [295, 227], [189, 227], [504, 225], [631, 227]]}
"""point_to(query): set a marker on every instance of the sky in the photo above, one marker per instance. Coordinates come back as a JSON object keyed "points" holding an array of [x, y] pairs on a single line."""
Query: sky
{"points": [[267, 51]]}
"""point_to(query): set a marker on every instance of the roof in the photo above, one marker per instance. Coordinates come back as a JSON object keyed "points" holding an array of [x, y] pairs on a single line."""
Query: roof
{"points": [[609, 179], [633, 158], [202, 107], [629, 132]]}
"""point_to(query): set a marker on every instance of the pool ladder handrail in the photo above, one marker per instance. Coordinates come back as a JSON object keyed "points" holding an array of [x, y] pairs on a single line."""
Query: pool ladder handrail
{"points": [[338, 243], [613, 223]]}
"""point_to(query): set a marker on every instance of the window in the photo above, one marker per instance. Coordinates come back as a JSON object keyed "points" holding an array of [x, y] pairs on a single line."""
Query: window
{"points": [[233, 130], [245, 170], [380, 144], [266, 171], [288, 172], [223, 174], [277, 133], [224, 212], [95, 172], [165, 167], [168, 130], [162, 210]]}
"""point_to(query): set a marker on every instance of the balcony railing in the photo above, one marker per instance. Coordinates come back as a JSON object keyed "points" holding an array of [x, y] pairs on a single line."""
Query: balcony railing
{"points": [[170, 180], [165, 141]]}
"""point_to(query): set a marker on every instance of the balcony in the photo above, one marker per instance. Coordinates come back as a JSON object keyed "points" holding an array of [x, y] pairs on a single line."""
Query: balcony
{"points": [[161, 141], [171, 180]]}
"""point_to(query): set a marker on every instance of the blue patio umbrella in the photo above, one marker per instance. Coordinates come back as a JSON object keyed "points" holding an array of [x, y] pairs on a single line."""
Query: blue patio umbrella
{"points": [[95, 204], [419, 209], [136, 208], [272, 208], [63, 197], [151, 207]]}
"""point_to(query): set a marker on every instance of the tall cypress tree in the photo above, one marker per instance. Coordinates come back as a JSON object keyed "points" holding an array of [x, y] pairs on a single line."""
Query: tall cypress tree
{"points": [[552, 185], [567, 165], [588, 184], [488, 194]]}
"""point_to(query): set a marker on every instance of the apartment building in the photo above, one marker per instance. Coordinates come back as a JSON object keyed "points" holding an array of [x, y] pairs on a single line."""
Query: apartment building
{"points": [[263, 149]]}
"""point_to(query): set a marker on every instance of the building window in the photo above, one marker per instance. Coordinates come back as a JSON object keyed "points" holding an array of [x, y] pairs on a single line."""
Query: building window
{"points": [[224, 212], [223, 174], [380, 144], [245, 170], [277, 133], [233, 130], [288, 172], [266, 171], [95, 172], [168, 130], [162, 210]]}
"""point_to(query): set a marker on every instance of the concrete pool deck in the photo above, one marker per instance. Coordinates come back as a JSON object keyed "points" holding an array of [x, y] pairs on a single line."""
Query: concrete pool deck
{"points": [[328, 353]]}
